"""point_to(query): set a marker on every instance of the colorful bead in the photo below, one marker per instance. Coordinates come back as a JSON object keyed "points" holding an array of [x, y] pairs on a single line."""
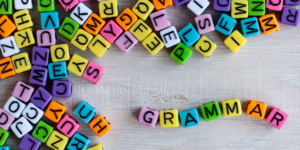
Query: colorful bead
{"points": [[181, 53], [275, 5], [57, 141], [231, 108], [22, 19], [23, 91], [77, 64], [111, 31], [38, 75], [14, 107], [20, 4], [40, 56], [6, 119], [49, 20], [161, 4], [153, 44], [21, 62], [30, 143], [68, 28], [126, 41], [6, 68], [205, 23], [100, 125], [126, 19], [96, 147], [189, 118], [68, 126], [81, 39], [277, 117], [160, 20], [180, 2], [62, 88], [143, 8], [222, 5], [99, 45], [225, 24], [205, 46], [85, 112], [148, 117], [140, 30], [5, 148], [210, 111], [21, 127], [256, 109], [198, 6], [108, 9], [55, 111], [170, 36], [94, 24], [6, 26], [81, 13], [9, 46], [169, 118], [79, 141], [269, 23], [4, 136], [46, 37], [58, 70], [46, 5], [24, 38], [239, 9], [257, 7], [93, 72], [41, 98], [68, 5], [235, 41], [189, 35], [32, 113], [291, 2], [250, 27], [60, 52], [290, 16], [7, 7], [42, 131]]}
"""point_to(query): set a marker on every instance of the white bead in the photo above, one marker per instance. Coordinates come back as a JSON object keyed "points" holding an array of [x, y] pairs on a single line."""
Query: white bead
{"points": [[170, 36], [23, 4], [81, 13], [21, 127], [9, 46], [33, 113], [198, 6], [14, 107]]}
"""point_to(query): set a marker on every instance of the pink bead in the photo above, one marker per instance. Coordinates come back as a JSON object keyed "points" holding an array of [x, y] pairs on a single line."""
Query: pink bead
{"points": [[148, 117], [68, 4], [46, 37], [111, 31], [68, 126], [277, 117], [126, 41], [23, 91], [6, 119], [93, 72], [275, 5], [160, 20], [205, 23]]}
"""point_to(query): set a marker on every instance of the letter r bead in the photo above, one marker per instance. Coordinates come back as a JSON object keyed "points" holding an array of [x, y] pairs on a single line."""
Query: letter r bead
{"points": [[100, 125], [169, 118], [277, 117]]}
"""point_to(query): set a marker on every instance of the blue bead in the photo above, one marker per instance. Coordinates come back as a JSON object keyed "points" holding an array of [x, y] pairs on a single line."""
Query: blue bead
{"points": [[85, 112], [225, 24], [250, 27], [5, 148], [189, 118], [58, 70], [50, 20], [189, 35], [79, 141]]}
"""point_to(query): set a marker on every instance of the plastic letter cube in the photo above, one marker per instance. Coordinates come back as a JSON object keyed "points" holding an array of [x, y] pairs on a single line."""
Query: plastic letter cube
{"points": [[6, 68], [143, 8], [55, 111], [100, 125], [204, 23], [235, 41], [189, 118], [153, 44], [275, 5], [96, 147], [148, 117], [21, 4], [60, 52], [46, 5], [140, 30], [181, 53], [198, 6], [22, 19], [250, 27], [42, 131], [46, 37], [58, 70], [81, 39], [85, 112], [68, 28], [77, 64], [210, 111], [6, 26], [7, 148], [3, 136], [111, 31], [68, 5], [169, 118], [180, 2], [160, 20], [6, 119], [126, 41], [7, 7], [256, 109], [231, 108], [41, 98], [21, 127], [38, 75], [290, 16], [108, 9], [14, 107], [161, 4], [225, 24], [57, 141], [291, 2], [269, 23], [239, 9], [49, 20], [32, 113], [189, 35], [24, 38], [79, 141], [94, 24], [81, 13], [170, 36], [21, 62], [40, 56], [62, 88], [30, 143], [9, 46], [23, 91], [256, 7], [99, 45], [126, 19], [205, 46], [222, 5], [277, 117], [93, 72], [68, 126]]}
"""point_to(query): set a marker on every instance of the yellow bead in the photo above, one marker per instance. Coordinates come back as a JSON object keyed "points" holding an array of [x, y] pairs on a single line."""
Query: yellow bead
{"points": [[96, 147], [231, 108], [77, 64], [235, 41], [22, 19], [143, 8], [153, 44], [169, 118], [205, 46], [99, 45], [108, 8], [57, 141], [81, 39], [60, 52], [239, 9], [21, 62], [24, 38], [140, 30]]}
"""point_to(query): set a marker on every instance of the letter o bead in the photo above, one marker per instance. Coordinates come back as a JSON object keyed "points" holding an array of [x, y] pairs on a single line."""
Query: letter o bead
{"points": [[148, 117]]}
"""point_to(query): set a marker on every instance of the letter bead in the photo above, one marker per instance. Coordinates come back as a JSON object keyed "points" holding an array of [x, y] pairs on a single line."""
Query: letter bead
{"points": [[40, 56], [46, 5], [46, 37], [225, 24], [189, 118], [6, 26], [257, 7], [269, 23], [4, 148], [290, 16], [126, 42], [81, 13], [96, 147], [161, 4], [68, 5], [55, 111], [21, 4], [60, 52], [58, 70], [6, 68], [275, 5], [239, 9], [235, 41], [38, 75], [181, 53], [7, 7], [126, 19], [93, 72], [210, 111], [23, 91], [49, 20], [222, 5], [81, 39], [62, 88], [22, 19], [14, 107], [99, 45], [108, 9], [21, 127], [94, 24], [24, 38], [42, 131], [250, 27], [100, 125], [41, 98], [189, 35], [6, 119], [170, 36], [111, 31], [85, 112], [68, 126], [32, 113], [204, 23], [277, 117], [21, 62], [68, 28], [205, 46], [180, 2], [291, 2], [231, 108], [9, 46], [57, 141], [153, 43], [143, 8], [30, 143], [140, 30], [160, 20], [256, 109], [77, 64], [198, 6], [169, 118], [79, 141], [148, 117], [4, 136]]}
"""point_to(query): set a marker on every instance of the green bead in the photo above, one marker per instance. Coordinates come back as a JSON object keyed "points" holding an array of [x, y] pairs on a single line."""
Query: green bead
{"points": [[42, 131], [210, 111], [68, 28], [6, 7], [46, 5], [3, 136], [257, 7], [181, 53]]}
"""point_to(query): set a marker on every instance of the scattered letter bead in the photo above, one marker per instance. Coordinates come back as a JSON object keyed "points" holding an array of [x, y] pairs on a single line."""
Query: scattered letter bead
{"points": [[108, 9], [81, 39], [269, 23], [9, 46], [30, 143], [189, 118], [3, 136], [77, 64], [24, 38], [14, 107], [140, 30], [256, 109], [205, 23], [160, 20], [62, 88], [22, 19], [42, 131], [143, 8], [290, 16], [79, 141], [60, 52], [21, 127], [180, 2], [126, 41], [153, 43], [111, 31], [21, 4], [7, 148], [57, 141], [23, 91], [96, 147], [126, 19], [40, 56], [210, 111], [6, 119], [7, 7], [99, 45], [275, 5], [235, 41], [198, 6], [250, 27], [21, 62], [49, 20], [68, 28], [94, 24], [68, 126], [6, 68], [41, 98], [222, 5], [181, 53], [148, 117], [32, 113], [231, 108], [291, 2], [161, 4], [81, 13], [189, 35], [170, 36], [257, 7], [93, 72], [169, 118], [46, 5], [205, 46], [85, 112], [38, 75], [6, 26], [277, 117], [58, 70], [100, 125], [55, 111], [46, 37], [225, 24], [239, 9], [68, 5]]}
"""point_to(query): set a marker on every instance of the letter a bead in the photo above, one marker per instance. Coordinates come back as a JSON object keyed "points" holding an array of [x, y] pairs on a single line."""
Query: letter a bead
{"points": [[68, 28], [231, 108], [68, 126], [225, 24], [100, 125], [148, 117], [6, 119], [189, 118], [81, 39], [22, 19], [77, 64], [85, 112], [169, 118], [23, 91], [4, 136], [111, 31], [57, 141], [42, 131], [99, 45], [6, 26], [24, 38], [79, 141], [235, 41], [205, 46], [256, 109], [181, 53], [126, 19], [277, 117], [153, 43], [210, 111], [55, 111], [93, 72], [143, 8], [30, 143], [160, 20], [290, 16], [6, 68], [62, 88], [269, 23], [189, 35]]}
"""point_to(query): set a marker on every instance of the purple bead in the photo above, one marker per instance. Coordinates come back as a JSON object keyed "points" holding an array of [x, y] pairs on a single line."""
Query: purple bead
{"points": [[38, 75], [62, 88], [290, 16], [41, 98], [222, 5], [40, 56], [292, 2], [29, 143], [180, 2]]}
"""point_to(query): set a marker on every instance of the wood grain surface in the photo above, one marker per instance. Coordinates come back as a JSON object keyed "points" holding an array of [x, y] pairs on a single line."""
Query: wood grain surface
{"points": [[266, 69]]}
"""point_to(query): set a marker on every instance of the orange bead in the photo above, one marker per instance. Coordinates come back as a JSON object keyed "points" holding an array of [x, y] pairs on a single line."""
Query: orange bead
{"points": [[55, 111], [269, 23], [126, 19], [161, 4], [6, 68], [100, 125], [256, 109], [94, 24], [6, 26]]}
